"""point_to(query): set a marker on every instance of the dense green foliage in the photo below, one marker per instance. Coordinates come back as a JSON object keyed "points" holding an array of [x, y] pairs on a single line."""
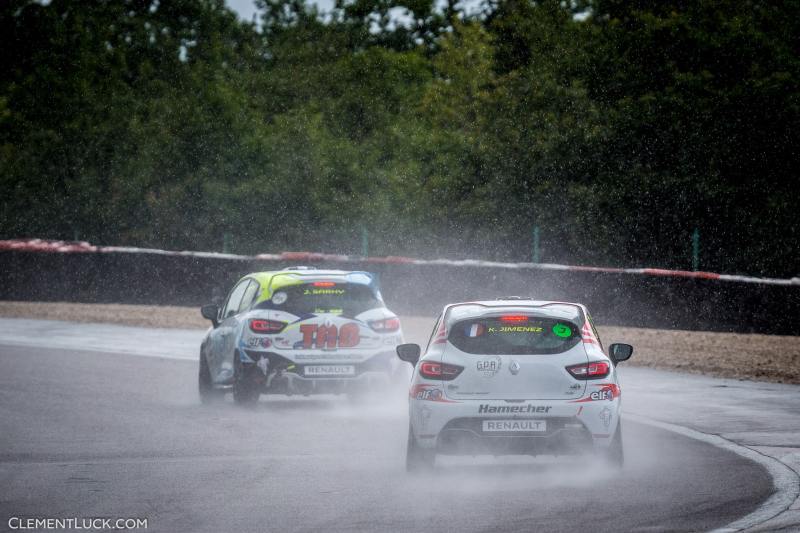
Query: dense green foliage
{"points": [[617, 127]]}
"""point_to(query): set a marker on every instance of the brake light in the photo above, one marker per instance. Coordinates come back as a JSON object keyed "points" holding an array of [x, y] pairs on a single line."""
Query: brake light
{"points": [[386, 325], [513, 318], [592, 370], [324, 284], [260, 325], [442, 371]]}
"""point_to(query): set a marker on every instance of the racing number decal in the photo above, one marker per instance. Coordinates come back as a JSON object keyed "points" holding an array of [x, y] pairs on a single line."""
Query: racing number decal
{"points": [[308, 334], [349, 336], [321, 337], [318, 336]]}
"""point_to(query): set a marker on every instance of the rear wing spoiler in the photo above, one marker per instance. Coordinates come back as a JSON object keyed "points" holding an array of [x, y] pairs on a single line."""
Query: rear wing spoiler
{"points": [[306, 276], [579, 318]]}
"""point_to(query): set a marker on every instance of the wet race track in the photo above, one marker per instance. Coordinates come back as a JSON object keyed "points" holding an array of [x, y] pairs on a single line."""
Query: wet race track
{"points": [[90, 434]]}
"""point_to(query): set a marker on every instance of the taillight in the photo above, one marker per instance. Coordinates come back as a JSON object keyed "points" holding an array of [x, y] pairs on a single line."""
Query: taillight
{"points": [[386, 325], [260, 325], [593, 370], [442, 371], [324, 284], [513, 318]]}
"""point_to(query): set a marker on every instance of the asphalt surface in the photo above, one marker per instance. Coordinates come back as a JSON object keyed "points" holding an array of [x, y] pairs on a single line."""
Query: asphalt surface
{"points": [[100, 434]]}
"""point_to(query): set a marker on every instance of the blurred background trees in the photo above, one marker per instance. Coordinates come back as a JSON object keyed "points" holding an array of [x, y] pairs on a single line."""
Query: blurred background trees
{"points": [[615, 127]]}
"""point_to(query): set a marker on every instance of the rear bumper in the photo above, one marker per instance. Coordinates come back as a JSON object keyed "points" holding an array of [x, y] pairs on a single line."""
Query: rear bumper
{"points": [[457, 427], [295, 384], [464, 436], [383, 361], [278, 375]]}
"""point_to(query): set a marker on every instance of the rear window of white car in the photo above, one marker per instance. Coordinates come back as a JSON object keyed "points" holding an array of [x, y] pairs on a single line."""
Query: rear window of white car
{"points": [[514, 335], [321, 297]]}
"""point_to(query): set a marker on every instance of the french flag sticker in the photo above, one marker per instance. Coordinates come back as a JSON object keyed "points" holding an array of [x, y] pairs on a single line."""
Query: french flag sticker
{"points": [[476, 330]]}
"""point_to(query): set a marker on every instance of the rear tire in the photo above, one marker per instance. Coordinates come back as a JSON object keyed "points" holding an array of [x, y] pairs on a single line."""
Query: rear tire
{"points": [[245, 391], [418, 459], [615, 454], [205, 387]]}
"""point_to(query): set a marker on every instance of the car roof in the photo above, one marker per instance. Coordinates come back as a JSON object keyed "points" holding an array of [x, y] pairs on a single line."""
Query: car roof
{"points": [[556, 309], [355, 276]]}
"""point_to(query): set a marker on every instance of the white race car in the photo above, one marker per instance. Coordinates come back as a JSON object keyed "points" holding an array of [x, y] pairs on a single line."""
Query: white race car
{"points": [[514, 377], [299, 331]]}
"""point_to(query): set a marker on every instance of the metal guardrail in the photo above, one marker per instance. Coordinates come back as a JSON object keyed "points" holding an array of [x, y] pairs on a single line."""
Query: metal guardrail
{"points": [[656, 298], [39, 245]]}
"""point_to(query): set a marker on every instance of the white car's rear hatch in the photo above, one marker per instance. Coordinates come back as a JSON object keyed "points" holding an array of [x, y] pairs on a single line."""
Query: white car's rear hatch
{"points": [[515, 354]]}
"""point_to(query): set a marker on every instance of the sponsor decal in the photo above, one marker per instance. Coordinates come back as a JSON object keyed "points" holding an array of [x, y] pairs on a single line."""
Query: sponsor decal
{"points": [[441, 335], [330, 370], [605, 416], [562, 330], [283, 342], [475, 330], [514, 425], [327, 357], [327, 336], [279, 297], [433, 395], [607, 391], [587, 333], [514, 367], [489, 366], [254, 342], [263, 364], [430, 393], [512, 409]]}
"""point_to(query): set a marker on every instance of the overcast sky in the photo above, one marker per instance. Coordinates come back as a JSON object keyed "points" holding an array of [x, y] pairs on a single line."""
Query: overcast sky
{"points": [[246, 9]]}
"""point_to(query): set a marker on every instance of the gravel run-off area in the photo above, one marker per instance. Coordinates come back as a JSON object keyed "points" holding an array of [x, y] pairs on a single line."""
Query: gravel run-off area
{"points": [[773, 358]]}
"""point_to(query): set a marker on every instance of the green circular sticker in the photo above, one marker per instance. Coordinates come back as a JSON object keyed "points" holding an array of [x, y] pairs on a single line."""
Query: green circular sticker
{"points": [[562, 330]]}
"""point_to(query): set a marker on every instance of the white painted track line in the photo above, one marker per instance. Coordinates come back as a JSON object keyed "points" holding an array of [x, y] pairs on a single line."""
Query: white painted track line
{"points": [[786, 480]]}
